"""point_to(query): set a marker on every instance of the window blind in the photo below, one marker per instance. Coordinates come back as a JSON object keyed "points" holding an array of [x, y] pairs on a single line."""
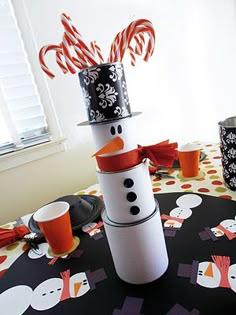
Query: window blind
{"points": [[22, 119]]}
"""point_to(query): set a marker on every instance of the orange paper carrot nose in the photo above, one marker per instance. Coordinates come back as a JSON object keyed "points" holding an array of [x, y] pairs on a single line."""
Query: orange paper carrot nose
{"points": [[114, 145], [77, 286], [209, 271]]}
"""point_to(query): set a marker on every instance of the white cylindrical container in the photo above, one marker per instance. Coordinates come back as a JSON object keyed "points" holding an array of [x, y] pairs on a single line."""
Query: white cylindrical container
{"points": [[138, 250], [127, 194], [105, 132]]}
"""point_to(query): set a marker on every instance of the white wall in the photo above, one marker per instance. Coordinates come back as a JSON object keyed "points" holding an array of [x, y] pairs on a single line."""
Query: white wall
{"points": [[183, 91]]}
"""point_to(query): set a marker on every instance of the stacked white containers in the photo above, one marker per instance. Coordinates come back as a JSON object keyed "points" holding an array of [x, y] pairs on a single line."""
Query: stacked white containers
{"points": [[131, 218]]}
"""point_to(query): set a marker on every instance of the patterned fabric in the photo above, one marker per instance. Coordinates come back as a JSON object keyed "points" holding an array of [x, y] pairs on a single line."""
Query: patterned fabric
{"points": [[105, 92], [228, 150]]}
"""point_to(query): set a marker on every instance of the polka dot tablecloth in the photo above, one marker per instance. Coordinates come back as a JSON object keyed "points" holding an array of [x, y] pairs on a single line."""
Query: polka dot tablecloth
{"points": [[211, 184]]}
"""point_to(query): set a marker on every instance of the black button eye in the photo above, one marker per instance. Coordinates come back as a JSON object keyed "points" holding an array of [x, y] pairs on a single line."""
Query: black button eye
{"points": [[134, 210], [113, 131], [131, 196], [128, 182], [119, 129]]}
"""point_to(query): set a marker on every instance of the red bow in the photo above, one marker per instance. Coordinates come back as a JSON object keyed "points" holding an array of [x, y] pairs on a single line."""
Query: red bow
{"points": [[163, 153], [8, 236]]}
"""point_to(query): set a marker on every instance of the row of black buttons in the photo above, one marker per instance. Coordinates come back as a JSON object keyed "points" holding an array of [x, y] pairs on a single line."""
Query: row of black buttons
{"points": [[131, 196]]}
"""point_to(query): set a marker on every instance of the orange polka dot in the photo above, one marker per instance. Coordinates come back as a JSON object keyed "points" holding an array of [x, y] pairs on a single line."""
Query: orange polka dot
{"points": [[25, 247], [3, 258], [208, 145], [156, 179], [225, 196], [217, 157], [201, 179], [206, 162], [213, 150], [203, 190], [156, 189], [186, 186], [171, 182], [216, 182], [92, 192], [211, 172]]}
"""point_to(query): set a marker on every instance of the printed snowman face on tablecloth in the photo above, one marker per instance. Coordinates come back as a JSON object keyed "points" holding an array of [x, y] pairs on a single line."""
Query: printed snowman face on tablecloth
{"points": [[16, 300], [123, 128], [208, 275], [49, 293], [226, 227], [177, 215], [232, 277], [93, 228]]}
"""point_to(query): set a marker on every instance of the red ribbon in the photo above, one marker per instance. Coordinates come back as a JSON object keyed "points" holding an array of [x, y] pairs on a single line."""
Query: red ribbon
{"points": [[223, 262], [65, 275], [163, 153], [8, 236], [229, 234]]}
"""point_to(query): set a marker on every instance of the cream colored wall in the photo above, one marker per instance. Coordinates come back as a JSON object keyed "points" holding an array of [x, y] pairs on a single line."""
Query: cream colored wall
{"points": [[191, 74]]}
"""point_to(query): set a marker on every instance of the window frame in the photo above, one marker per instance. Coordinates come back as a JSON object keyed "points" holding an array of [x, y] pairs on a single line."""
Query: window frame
{"points": [[56, 142]]}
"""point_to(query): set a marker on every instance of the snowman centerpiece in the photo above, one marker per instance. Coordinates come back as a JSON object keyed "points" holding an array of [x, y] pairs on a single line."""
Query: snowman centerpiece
{"points": [[131, 217]]}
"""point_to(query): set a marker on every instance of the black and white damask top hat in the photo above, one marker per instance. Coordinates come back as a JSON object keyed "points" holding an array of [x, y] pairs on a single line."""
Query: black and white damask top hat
{"points": [[105, 93]]}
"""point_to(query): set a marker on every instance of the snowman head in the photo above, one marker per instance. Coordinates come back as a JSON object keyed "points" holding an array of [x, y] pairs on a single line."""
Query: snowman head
{"points": [[232, 277], [208, 275], [229, 225], [107, 133], [54, 290]]}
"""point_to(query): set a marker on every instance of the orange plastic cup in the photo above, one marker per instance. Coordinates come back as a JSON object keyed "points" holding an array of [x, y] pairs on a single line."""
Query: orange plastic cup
{"points": [[54, 222], [189, 156]]}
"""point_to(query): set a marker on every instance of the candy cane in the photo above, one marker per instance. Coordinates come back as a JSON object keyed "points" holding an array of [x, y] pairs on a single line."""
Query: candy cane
{"points": [[97, 51], [60, 62], [123, 39], [42, 54], [75, 36]]}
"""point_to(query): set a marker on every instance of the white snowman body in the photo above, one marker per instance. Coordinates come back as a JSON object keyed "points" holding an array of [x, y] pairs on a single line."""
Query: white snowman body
{"points": [[183, 211], [132, 218]]}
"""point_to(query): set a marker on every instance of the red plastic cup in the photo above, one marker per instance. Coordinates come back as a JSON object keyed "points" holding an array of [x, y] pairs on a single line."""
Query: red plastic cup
{"points": [[189, 156], [54, 222]]}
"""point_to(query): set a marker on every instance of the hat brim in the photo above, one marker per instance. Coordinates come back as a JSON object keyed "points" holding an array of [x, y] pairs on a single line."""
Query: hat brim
{"points": [[107, 121], [96, 202]]}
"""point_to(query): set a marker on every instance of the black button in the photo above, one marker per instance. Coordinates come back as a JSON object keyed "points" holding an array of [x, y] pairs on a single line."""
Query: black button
{"points": [[128, 182], [131, 196], [134, 210]]}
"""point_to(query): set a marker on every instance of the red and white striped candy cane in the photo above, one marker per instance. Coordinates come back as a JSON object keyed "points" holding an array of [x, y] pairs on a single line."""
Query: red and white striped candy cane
{"points": [[42, 54], [97, 51], [60, 62], [123, 39], [75, 36]]}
